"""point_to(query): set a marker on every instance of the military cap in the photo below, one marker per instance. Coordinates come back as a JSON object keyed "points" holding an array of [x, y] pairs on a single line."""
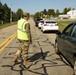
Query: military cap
{"points": [[25, 14]]}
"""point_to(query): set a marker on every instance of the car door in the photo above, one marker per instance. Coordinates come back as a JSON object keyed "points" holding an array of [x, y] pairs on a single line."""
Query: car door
{"points": [[61, 38], [68, 46], [73, 43]]}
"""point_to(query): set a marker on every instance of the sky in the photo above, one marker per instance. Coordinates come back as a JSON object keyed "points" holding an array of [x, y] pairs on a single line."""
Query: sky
{"points": [[33, 6]]}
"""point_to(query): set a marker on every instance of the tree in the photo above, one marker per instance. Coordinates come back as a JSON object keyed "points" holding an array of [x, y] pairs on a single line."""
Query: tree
{"points": [[73, 8], [57, 13], [37, 15], [1, 11], [68, 9], [6, 15], [44, 12], [51, 13], [65, 11], [14, 16], [19, 13]]}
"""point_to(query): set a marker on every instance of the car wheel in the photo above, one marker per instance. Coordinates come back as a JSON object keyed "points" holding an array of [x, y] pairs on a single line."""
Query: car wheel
{"points": [[43, 31], [39, 27], [36, 25], [56, 48], [75, 68]]}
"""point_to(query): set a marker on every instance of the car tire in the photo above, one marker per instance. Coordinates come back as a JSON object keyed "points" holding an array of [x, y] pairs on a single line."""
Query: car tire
{"points": [[57, 48], [43, 31], [38, 27], [75, 68]]}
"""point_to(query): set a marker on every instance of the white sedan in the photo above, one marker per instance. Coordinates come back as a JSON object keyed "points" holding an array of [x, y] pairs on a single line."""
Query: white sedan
{"points": [[49, 25], [40, 23]]}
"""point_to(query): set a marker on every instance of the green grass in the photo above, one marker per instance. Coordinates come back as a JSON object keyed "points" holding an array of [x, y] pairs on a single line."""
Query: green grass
{"points": [[63, 23], [6, 25]]}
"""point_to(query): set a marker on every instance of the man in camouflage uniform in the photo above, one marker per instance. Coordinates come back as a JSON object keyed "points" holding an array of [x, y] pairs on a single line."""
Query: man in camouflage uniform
{"points": [[24, 37]]}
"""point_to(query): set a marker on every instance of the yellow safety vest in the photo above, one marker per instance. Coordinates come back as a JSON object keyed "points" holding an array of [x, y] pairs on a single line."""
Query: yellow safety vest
{"points": [[21, 31]]}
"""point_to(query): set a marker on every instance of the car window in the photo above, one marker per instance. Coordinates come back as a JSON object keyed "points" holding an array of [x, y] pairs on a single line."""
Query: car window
{"points": [[74, 32], [39, 19], [53, 22], [67, 31], [50, 22], [42, 21]]}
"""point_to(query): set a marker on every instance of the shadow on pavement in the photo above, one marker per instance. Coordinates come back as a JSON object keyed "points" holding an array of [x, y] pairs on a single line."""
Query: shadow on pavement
{"points": [[38, 57]]}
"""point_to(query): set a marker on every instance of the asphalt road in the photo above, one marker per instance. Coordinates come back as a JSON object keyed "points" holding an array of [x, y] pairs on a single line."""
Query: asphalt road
{"points": [[41, 54]]}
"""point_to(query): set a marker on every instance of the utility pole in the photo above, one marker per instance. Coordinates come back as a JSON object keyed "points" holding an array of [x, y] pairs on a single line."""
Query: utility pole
{"points": [[10, 15]]}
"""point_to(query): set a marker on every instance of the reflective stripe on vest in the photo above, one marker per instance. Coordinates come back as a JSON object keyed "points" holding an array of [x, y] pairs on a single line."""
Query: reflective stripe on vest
{"points": [[22, 27], [21, 31]]}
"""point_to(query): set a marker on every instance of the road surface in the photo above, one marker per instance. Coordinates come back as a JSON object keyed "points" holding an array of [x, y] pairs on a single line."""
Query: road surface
{"points": [[41, 54]]}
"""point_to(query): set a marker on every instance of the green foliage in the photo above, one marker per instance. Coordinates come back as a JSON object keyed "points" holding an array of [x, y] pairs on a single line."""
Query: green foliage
{"points": [[1, 11], [57, 13], [37, 15], [49, 12], [19, 13], [44, 12], [14, 16], [66, 10], [6, 14]]}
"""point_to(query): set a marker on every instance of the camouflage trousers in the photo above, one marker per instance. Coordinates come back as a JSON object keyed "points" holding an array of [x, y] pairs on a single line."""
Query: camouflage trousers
{"points": [[23, 49]]}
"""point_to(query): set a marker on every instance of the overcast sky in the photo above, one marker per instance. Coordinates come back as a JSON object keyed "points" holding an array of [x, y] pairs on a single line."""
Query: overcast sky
{"points": [[33, 6]]}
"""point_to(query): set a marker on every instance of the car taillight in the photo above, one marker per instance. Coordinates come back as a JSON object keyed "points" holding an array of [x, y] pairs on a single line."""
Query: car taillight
{"points": [[45, 24], [56, 24]]}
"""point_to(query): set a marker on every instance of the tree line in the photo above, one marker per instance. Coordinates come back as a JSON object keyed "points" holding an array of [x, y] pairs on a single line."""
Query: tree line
{"points": [[7, 15], [51, 13]]}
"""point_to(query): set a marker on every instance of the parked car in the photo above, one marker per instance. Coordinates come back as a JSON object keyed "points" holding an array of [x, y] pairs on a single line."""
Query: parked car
{"points": [[49, 25], [65, 44], [40, 23], [37, 21]]}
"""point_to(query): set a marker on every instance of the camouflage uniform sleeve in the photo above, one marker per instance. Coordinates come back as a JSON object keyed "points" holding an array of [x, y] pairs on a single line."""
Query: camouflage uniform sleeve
{"points": [[27, 27]]}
